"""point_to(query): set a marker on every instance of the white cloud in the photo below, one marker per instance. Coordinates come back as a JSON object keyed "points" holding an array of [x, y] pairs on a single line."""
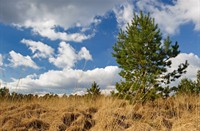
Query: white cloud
{"points": [[108, 90], [67, 56], [67, 80], [16, 59], [1, 60], [44, 16], [63, 13], [194, 65], [79, 93], [39, 49], [105, 91], [84, 54], [171, 17], [100, 75], [124, 14], [168, 16], [47, 29], [74, 80]]}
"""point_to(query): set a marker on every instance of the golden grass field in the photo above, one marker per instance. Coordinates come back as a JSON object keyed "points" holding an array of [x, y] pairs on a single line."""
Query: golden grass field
{"points": [[181, 113]]}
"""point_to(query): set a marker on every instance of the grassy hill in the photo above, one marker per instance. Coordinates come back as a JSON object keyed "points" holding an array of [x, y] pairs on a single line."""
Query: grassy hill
{"points": [[181, 113]]}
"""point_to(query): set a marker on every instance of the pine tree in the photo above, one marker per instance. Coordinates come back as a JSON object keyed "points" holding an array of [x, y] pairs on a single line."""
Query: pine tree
{"points": [[94, 90], [144, 59]]}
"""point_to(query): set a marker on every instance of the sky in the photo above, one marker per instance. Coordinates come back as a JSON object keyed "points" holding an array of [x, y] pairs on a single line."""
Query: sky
{"points": [[62, 46]]}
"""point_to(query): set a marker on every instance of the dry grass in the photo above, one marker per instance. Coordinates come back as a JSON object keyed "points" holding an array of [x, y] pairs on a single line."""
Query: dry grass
{"points": [[103, 114]]}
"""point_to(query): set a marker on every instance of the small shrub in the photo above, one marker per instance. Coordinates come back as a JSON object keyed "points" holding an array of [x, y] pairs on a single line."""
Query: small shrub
{"points": [[189, 87], [4, 93]]}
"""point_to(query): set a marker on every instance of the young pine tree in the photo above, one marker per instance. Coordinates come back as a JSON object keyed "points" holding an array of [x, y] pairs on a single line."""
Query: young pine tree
{"points": [[94, 90], [144, 60]]}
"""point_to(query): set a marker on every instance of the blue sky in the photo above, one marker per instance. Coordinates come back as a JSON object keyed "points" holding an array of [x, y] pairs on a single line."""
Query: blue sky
{"points": [[63, 46]]}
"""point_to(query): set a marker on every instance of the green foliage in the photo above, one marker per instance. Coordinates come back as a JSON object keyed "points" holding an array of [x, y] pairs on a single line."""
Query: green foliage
{"points": [[50, 96], [189, 87], [6, 95], [144, 60], [186, 86], [94, 90], [198, 78], [4, 92]]}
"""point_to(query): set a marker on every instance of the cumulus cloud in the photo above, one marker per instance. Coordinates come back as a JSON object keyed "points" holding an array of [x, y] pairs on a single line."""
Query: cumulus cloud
{"points": [[1, 60], [84, 54], [44, 16], [168, 16], [103, 91], [79, 93], [47, 29], [67, 56], [76, 81], [39, 49], [194, 65], [124, 14], [16, 60], [67, 80], [171, 17]]}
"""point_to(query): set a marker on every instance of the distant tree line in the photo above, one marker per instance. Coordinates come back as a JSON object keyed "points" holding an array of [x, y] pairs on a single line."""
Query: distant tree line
{"points": [[5, 94]]}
